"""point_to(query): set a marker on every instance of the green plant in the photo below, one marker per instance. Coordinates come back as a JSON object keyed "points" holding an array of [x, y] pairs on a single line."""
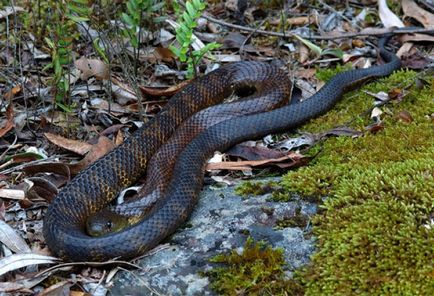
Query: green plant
{"points": [[140, 14], [258, 270], [185, 38], [63, 32]]}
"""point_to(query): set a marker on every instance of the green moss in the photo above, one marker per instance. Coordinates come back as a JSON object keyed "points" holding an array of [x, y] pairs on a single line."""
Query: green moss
{"points": [[373, 237], [375, 233], [328, 73], [258, 270], [255, 188]]}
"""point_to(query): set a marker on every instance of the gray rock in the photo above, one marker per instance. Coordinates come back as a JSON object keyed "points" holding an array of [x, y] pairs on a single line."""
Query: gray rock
{"points": [[221, 221]]}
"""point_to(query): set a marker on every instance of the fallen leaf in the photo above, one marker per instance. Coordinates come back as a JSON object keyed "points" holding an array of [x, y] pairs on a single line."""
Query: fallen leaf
{"points": [[78, 147], [388, 18], [60, 288], [297, 142], [301, 20], [11, 239], [416, 37], [254, 152], [122, 93], [92, 67], [158, 92], [375, 127], [112, 129], [15, 194], [9, 120], [227, 58], [21, 284], [415, 61], [17, 261], [341, 131], [100, 104], [163, 53], [405, 116], [8, 10], [376, 112], [294, 160], [12, 92], [381, 96], [424, 17], [305, 73], [395, 94], [303, 53]]}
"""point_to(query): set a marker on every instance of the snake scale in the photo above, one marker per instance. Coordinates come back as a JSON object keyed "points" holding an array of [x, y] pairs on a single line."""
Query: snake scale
{"points": [[93, 188]]}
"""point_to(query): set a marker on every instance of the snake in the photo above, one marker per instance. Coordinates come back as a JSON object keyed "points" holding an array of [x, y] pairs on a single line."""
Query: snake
{"points": [[64, 226], [267, 94]]}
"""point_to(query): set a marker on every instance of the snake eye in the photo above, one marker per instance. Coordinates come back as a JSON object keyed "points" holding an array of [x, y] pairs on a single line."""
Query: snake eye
{"points": [[109, 224]]}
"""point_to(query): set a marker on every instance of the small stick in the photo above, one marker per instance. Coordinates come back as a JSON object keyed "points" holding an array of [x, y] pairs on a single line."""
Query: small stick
{"points": [[376, 32]]}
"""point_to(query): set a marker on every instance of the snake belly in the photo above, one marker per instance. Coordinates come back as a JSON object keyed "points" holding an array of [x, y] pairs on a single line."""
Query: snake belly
{"points": [[95, 186]]}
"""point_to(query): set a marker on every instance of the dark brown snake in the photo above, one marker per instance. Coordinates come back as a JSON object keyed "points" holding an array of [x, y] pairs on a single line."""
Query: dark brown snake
{"points": [[96, 186]]}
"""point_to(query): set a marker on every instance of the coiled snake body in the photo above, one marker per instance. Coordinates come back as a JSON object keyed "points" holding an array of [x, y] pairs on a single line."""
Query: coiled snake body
{"points": [[97, 185]]}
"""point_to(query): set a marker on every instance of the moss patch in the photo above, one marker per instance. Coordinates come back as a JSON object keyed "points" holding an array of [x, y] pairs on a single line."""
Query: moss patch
{"points": [[375, 235], [258, 270], [248, 188]]}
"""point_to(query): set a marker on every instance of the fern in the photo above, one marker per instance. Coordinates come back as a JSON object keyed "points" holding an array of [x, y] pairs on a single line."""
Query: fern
{"points": [[184, 36]]}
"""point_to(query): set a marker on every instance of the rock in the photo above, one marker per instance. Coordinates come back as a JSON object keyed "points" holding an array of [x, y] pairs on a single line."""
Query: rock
{"points": [[221, 221]]}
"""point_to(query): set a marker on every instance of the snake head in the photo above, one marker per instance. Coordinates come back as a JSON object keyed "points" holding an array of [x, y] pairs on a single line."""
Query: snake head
{"points": [[105, 222]]}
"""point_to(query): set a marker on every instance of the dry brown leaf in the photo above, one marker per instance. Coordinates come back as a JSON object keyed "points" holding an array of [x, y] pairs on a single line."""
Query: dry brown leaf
{"points": [[301, 20], [305, 73], [416, 37], [78, 147], [158, 92], [248, 164], [375, 127], [248, 152], [92, 67], [9, 120], [405, 116], [404, 49], [98, 150], [303, 53], [424, 17], [112, 129], [165, 54]]}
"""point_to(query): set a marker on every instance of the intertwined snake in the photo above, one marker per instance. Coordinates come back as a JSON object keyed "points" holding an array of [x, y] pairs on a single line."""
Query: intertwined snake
{"points": [[96, 186]]}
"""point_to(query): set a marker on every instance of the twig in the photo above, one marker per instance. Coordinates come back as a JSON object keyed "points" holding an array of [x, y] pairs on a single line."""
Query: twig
{"points": [[370, 32]]}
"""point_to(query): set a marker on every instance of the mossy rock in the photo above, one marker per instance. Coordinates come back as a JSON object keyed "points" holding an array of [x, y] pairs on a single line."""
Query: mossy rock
{"points": [[376, 233]]}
